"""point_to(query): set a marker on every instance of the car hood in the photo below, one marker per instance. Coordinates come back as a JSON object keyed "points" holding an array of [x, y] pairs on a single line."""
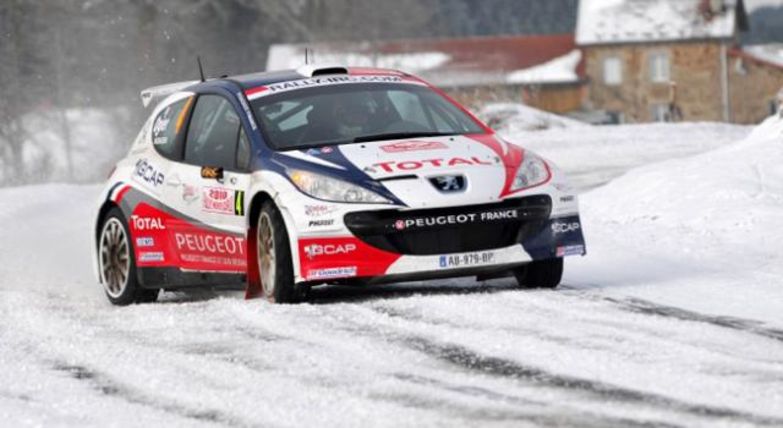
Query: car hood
{"points": [[414, 170]]}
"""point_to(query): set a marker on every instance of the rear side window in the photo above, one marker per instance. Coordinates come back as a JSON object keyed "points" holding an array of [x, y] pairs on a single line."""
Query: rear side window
{"points": [[213, 133], [167, 126]]}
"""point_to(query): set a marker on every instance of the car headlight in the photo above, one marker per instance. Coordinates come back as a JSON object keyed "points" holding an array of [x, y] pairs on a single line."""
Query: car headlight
{"points": [[532, 172], [331, 189]]}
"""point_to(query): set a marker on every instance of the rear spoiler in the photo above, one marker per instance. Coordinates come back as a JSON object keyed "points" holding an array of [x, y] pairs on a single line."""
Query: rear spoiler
{"points": [[157, 92]]}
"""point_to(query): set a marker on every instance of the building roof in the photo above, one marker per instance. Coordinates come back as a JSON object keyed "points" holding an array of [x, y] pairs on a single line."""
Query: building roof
{"points": [[769, 54], [644, 21], [473, 61]]}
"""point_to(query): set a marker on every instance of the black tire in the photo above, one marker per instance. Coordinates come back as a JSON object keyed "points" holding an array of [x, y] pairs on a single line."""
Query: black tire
{"points": [[276, 273], [540, 274], [117, 263]]}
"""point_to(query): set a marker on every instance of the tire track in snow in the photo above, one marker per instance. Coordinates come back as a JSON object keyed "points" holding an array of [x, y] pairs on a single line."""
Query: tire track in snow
{"points": [[466, 359], [646, 307], [109, 387]]}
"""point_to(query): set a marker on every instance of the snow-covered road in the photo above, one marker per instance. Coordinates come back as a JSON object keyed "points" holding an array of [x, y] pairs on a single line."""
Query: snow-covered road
{"points": [[646, 331]]}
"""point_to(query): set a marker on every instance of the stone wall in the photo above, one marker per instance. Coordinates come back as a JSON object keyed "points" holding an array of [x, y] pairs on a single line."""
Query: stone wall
{"points": [[695, 83], [754, 86]]}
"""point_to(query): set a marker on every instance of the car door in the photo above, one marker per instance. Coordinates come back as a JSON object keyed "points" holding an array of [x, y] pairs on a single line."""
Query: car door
{"points": [[208, 189]]}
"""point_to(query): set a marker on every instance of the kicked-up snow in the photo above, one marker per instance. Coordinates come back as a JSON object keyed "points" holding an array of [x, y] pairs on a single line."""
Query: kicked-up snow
{"points": [[674, 318]]}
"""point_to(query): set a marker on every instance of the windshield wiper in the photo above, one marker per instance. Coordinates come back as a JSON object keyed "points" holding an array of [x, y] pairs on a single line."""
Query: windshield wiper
{"points": [[399, 135]]}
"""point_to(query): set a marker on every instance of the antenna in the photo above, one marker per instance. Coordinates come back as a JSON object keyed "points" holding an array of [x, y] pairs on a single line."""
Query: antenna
{"points": [[200, 69], [307, 59]]}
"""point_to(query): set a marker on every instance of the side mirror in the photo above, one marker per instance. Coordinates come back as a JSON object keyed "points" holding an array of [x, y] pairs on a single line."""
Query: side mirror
{"points": [[212, 172]]}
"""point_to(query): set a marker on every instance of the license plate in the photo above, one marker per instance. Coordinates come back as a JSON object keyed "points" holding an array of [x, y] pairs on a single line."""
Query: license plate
{"points": [[469, 259]]}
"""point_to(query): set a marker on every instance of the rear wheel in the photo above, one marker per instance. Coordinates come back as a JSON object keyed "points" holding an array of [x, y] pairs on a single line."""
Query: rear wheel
{"points": [[275, 267], [117, 264], [540, 274]]}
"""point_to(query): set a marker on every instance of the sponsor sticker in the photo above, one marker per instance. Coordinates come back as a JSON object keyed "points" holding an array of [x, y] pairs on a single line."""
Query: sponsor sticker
{"points": [[570, 250], [160, 126], [145, 241], [220, 200], [318, 210], [189, 193], [246, 108], [412, 146], [335, 272], [456, 219], [564, 227], [148, 174], [320, 223], [569, 198], [147, 223], [318, 81], [315, 250], [465, 260], [151, 256], [413, 165]]}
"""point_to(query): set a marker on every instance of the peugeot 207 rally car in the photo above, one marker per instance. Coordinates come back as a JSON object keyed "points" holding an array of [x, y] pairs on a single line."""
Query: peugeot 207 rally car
{"points": [[281, 181]]}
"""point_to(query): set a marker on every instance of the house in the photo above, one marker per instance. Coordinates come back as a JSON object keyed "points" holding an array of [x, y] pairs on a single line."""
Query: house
{"points": [[545, 71], [661, 60]]}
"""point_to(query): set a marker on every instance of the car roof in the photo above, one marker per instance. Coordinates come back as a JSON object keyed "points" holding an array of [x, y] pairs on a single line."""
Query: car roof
{"points": [[254, 80]]}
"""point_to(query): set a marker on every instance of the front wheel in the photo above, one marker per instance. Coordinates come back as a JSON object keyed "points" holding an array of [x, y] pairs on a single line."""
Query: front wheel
{"points": [[275, 267], [540, 274], [117, 264]]}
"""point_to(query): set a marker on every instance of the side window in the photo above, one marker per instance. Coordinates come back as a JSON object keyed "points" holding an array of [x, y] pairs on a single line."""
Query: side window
{"points": [[167, 126], [613, 71], [213, 133], [660, 69]]}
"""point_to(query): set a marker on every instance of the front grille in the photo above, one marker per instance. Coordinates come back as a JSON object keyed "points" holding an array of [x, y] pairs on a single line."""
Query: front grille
{"points": [[451, 230]]}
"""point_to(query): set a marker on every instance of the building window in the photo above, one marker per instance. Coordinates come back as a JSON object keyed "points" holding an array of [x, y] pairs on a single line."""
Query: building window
{"points": [[613, 71], [660, 70], [660, 113]]}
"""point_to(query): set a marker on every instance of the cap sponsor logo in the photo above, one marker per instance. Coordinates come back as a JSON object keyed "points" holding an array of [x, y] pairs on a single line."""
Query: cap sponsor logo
{"points": [[563, 227], [315, 250]]}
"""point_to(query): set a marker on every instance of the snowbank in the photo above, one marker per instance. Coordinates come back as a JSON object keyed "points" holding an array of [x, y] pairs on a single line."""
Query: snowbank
{"points": [[509, 118], [691, 231], [593, 155]]}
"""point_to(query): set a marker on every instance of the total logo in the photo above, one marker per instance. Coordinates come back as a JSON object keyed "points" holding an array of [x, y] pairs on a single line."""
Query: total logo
{"points": [[147, 223], [148, 173], [558, 228], [315, 250], [392, 166]]}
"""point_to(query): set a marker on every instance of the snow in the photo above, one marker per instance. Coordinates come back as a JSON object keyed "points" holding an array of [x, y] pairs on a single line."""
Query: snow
{"points": [[752, 5], [772, 53], [625, 21], [284, 57], [672, 319], [558, 70], [513, 117]]}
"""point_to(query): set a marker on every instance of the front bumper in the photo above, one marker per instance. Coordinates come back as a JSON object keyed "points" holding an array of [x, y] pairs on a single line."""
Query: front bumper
{"points": [[439, 242]]}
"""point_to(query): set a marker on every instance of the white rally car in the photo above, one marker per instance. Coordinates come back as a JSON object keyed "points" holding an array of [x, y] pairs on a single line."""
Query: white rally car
{"points": [[280, 181]]}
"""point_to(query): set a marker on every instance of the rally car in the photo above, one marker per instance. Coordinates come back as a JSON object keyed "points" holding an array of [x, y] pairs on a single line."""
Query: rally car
{"points": [[280, 181]]}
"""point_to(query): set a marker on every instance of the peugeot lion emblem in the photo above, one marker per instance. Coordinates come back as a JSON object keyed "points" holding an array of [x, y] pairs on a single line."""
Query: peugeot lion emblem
{"points": [[449, 183]]}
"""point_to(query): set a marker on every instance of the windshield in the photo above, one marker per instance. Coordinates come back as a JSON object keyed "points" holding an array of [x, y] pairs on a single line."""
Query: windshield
{"points": [[340, 114]]}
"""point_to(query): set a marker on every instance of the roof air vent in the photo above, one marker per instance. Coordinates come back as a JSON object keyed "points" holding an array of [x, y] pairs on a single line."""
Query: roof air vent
{"points": [[320, 70]]}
